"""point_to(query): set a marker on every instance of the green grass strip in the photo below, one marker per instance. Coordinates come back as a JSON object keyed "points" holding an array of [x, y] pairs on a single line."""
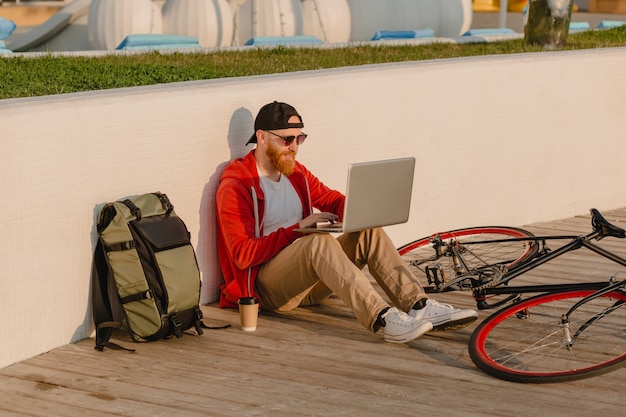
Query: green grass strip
{"points": [[23, 76]]}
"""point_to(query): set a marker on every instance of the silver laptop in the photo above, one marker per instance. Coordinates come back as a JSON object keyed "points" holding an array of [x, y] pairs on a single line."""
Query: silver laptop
{"points": [[378, 194]]}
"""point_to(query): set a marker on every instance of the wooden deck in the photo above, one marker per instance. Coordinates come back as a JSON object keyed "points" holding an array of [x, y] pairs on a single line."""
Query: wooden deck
{"points": [[312, 362]]}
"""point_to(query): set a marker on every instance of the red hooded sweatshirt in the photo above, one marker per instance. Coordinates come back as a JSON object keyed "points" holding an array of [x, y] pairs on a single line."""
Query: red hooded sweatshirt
{"points": [[242, 248]]}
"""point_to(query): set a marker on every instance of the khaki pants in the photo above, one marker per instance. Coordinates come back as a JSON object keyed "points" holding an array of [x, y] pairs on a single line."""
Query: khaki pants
{"points": [[317, 265]]}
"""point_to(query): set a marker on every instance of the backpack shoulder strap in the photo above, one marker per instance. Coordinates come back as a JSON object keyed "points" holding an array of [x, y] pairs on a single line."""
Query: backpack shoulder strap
{"points": [[102, 314], [101, 305]]}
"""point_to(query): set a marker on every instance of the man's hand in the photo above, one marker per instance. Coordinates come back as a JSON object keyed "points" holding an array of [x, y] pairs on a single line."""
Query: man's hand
{"points": [[315, 218]]}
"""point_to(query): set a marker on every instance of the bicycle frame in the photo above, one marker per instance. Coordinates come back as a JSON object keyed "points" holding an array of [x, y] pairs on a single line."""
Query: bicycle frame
{"points": [[602, 228], [576, 243], [562, 332]]}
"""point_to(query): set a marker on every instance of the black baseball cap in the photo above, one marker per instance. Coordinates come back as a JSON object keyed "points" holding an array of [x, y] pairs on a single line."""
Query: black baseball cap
{"points": [[274, 116]]}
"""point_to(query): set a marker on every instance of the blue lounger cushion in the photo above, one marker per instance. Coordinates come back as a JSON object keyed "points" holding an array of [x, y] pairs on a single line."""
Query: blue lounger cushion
{"points": [[578, 26], [6, 28], [402, 34], [3, 49], [489, 32], [607, 24], [158, 41], [283, 40]]}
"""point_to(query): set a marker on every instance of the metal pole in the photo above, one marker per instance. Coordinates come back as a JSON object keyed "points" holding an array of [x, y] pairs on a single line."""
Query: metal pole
{"points": [[503, 11], [253, 15]]}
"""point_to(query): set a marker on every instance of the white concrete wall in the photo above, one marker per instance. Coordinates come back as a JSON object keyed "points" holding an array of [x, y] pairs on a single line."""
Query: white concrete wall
{"points": [[498, 140]]}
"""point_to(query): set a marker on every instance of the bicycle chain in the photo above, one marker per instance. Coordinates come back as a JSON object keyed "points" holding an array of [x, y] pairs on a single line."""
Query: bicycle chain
{"points": [[492, 283]]}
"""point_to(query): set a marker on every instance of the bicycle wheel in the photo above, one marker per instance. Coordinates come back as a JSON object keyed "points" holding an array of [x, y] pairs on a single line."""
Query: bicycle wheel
{"points": [[480, 247], [527, 341]]}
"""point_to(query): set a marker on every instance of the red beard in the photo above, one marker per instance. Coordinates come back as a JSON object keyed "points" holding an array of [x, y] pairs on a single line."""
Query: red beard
{"points": [[285, 166]]}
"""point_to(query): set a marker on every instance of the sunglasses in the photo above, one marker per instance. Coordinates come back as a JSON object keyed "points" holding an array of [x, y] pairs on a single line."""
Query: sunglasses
{"points": [[288, 140]]}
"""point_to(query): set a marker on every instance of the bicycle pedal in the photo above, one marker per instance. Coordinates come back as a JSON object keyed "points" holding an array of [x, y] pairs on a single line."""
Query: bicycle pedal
{"points": [[435, 275]]}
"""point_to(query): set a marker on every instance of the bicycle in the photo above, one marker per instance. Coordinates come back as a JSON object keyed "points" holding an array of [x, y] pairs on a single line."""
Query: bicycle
{"points": [[562, 332]]}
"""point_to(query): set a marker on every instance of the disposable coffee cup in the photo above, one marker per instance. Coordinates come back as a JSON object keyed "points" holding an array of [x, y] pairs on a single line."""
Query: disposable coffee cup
{"points": [[248, 313]]}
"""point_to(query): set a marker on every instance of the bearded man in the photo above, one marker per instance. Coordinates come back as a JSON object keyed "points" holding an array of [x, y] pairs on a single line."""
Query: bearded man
{"points": [[264, 199]]}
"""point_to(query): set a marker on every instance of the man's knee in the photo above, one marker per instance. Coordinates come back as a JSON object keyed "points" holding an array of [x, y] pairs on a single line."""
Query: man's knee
{"points": [[377, 233]]}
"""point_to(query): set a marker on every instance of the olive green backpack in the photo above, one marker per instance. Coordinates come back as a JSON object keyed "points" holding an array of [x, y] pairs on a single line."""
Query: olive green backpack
{"points": [[145, 276]]}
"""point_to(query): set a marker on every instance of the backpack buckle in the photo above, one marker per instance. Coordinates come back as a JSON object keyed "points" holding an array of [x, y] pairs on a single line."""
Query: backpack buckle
{"points": [[177, 325]]}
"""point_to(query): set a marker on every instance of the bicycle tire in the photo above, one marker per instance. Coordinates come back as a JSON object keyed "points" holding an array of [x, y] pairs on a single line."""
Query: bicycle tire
{"points": [[492, 252], [524, 342]]}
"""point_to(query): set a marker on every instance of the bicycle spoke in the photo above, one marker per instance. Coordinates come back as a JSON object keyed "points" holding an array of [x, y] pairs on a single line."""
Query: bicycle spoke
{"points": [[538, 348], [470, 250]]}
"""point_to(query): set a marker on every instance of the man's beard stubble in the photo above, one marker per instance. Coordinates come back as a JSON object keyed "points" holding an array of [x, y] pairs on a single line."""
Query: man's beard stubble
{"points": [[284, 166]]}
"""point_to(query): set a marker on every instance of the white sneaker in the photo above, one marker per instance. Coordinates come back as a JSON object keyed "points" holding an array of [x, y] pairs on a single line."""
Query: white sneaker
{"points": [[444, 316], [402, 328]]}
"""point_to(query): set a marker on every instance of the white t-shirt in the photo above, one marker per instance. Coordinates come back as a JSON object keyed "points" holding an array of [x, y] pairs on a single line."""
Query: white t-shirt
{"points": [[282, 204]]}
